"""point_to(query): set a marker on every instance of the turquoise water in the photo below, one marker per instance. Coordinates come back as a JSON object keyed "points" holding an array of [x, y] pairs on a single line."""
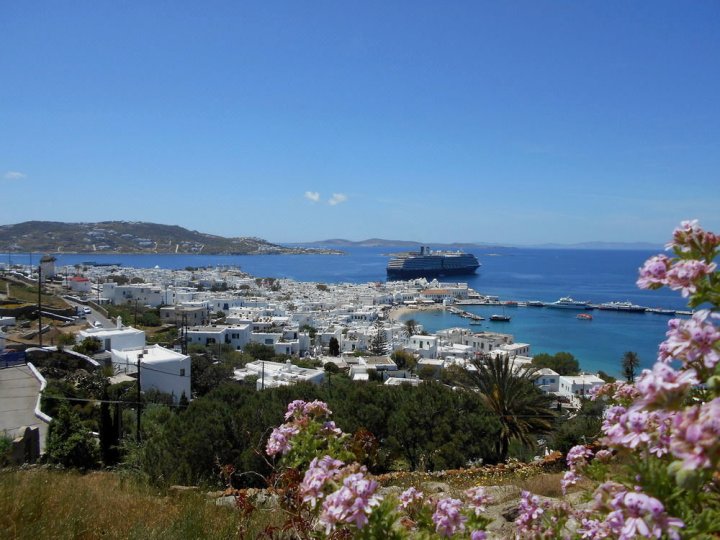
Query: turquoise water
{"points": [[599, 344]]}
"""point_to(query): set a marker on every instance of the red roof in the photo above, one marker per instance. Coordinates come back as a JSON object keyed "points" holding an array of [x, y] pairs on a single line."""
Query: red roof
{"points": [[79, 278]]}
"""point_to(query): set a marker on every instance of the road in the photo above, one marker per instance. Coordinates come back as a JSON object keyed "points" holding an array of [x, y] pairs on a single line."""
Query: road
{"points": [[94, 316], [18, 395]]}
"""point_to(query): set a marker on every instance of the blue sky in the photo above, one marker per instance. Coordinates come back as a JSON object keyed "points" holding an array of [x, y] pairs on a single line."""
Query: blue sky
{"points": [[515, 122]]}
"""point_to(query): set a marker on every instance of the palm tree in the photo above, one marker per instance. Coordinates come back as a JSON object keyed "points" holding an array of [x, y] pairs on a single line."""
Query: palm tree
{"points": [[630, 365], [508, 392], [410, 327]]}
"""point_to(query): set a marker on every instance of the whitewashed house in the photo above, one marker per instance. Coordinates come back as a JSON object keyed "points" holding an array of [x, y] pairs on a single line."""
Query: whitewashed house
{"points": [[578, 385], [425, 346], [160, 369], [79, 284], [275, 374], [120, 337]]}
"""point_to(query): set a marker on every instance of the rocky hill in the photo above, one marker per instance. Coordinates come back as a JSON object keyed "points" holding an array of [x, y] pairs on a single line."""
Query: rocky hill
{"points": [[131, 237]]}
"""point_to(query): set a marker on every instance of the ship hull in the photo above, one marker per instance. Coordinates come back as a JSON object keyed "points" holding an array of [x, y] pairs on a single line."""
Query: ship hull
{"points": [[414, 273]]}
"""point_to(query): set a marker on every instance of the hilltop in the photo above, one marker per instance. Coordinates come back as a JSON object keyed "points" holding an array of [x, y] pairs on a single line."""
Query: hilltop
{"points": [[132, 237]]}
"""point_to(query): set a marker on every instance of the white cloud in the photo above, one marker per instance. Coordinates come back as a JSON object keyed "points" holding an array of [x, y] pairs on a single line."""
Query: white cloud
{"points": [[14, 175], [337, 198], [313, 196]]}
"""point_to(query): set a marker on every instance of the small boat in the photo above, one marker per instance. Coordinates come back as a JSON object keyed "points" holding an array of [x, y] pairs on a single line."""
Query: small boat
{"points": [[584, 316], [660, 311], [500, 318]]}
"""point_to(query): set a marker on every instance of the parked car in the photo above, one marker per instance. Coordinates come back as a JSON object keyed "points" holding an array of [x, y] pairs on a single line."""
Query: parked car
{"points": [[87, 311]]}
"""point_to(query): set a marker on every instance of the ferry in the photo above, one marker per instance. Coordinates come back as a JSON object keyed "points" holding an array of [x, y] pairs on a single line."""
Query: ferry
{"points": [[429, 263], [627, 307], [568, 303]]}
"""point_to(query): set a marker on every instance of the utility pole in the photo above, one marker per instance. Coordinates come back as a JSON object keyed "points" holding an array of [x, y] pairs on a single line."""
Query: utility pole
{"points": [[40, 306], [138, 398]]}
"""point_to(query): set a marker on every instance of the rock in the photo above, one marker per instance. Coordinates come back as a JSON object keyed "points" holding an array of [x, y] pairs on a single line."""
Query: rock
{"points": [[227, 501], [435, 487], [503, 494], [263, 499], [391, 490]]}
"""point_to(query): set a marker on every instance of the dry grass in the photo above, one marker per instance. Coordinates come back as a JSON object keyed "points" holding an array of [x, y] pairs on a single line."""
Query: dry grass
{"points": [[53, 504], [28, 295]]}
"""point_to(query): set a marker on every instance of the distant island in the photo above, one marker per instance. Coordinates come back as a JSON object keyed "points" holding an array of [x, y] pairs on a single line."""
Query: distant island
{"points": [[134, 237], [380, 242]]}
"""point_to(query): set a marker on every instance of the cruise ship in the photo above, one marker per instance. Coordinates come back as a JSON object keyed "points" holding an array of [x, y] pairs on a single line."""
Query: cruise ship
{"points": [[428, 263], [622, 306], [568, 303]]}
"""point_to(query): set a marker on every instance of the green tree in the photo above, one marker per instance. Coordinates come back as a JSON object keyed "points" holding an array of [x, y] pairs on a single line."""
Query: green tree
{"points": [[630, 365], [506, 390], [378, 343], [65, 340], [259, 351], [88, 346], [562, 363], [404, 359], [69, 443], [334, 346], [410, 327]]}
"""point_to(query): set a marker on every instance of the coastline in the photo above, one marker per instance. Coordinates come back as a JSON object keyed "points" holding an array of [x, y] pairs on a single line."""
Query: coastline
{"points": [[397, 312]]}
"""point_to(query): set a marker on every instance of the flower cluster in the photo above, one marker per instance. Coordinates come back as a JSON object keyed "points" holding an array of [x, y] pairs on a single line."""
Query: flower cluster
{"points": [[477, 499], [577, 459], [448, 517], [664, 387], [409, 497], [694, 342], [298, 416], [351, 504], [529, 519], [690, 237], [319, 473], [696, 436]]}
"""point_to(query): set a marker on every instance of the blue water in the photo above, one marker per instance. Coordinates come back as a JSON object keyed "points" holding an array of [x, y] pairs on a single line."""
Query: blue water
{"points": [[517, 274]]}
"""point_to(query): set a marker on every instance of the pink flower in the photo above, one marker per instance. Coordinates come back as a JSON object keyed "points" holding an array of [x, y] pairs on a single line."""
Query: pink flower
{"points": [[577, 457], [530, 512], [279, 440], [316, 408], [351, 504], [570, 478], [295, 408], [684, 275], [653, 273], [410, 496], [603, 456], [696, 435], [319, 473], [477, 499], [663, 385], [641, 515], [690, 236], [478, 535], [329, 428], [694, 340], [447, 517]]}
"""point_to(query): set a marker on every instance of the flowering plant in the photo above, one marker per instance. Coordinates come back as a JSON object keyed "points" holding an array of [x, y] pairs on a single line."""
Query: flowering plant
{"points": [[339, 498], [662, 434]]}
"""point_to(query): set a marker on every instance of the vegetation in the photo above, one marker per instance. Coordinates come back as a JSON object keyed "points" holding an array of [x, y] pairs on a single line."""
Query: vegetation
{"points": [[69, 443], [404, 360], [378, 343], [109, 505], [630, 364], [334, 346], [28, 294], [562, 363], [521, 408]]}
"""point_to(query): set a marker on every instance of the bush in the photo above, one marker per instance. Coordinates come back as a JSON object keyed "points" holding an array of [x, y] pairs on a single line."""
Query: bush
{"points": [[69, 443]]}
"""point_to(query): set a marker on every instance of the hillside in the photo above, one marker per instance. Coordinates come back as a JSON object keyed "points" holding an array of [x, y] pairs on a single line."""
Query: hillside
{"points": [[131, 237]]}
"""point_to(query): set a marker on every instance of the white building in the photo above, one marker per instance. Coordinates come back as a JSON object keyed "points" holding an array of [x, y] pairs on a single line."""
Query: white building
{"points": [[238, 336], [578, 385], [160, 369], [120, 337], [142, 293], [425, 346], [547, 380], [79, 284], [274, 374]]}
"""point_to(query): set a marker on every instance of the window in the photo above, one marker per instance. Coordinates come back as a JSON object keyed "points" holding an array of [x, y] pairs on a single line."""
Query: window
{"points": [[182, 372]]}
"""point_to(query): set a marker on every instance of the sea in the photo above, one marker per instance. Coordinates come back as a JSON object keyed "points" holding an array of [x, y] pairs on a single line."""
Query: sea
{"points": [[520, 274]]}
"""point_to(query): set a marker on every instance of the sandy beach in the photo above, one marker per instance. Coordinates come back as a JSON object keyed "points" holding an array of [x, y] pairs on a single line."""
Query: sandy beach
{"points": [[397, 312]]}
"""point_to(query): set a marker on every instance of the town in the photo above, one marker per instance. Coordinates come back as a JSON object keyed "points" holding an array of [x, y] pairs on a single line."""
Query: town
{"points": [[314, 328]]}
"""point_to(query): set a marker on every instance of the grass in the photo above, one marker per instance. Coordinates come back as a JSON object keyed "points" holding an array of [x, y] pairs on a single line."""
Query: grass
{"points": [[29, 295], [41, 503]]}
